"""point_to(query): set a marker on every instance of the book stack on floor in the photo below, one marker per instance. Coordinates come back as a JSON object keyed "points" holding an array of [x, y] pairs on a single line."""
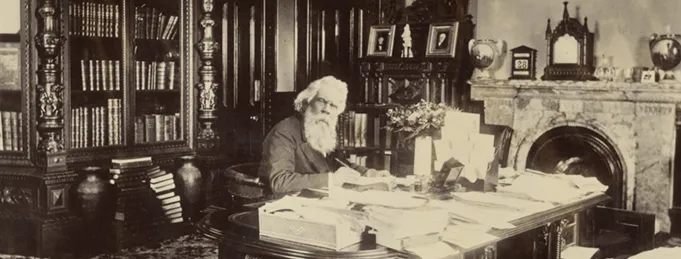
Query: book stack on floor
{"points": [[132, 202], [162, 185]]}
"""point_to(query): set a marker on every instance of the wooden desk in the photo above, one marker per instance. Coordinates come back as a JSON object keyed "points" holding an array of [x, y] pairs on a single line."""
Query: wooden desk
{"points": [[540, 235]]}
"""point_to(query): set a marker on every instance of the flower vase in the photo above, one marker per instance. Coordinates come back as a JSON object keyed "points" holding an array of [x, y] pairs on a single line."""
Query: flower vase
{"points": [[190, 184], [423, 156]]}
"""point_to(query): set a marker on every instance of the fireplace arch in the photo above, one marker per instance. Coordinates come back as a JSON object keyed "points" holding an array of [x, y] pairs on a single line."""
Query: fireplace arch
{"points": [[580, 150]]}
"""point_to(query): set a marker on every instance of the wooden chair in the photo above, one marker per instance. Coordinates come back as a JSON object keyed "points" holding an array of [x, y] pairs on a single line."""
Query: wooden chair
{"points": [[244, 186], [620, 232]]}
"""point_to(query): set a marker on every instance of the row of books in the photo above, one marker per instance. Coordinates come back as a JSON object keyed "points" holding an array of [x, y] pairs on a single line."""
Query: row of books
{"points": [[100, 75], [94, 20], [97, 126], [155, 75], [355, 128], [157, 128], [150, 23], [377, 160], [11, 131]]}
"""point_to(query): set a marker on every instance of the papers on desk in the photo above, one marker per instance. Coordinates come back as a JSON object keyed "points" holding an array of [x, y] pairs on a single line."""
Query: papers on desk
{"points": [[394, 199], [401, 223], [490, 217], [465, 237], [658, 253], [557, 189], [578, 252], [437, 250]]}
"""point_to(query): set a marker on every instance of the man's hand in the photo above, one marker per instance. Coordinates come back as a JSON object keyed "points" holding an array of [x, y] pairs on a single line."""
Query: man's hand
{"points": [[377, 173], [343, 175]]}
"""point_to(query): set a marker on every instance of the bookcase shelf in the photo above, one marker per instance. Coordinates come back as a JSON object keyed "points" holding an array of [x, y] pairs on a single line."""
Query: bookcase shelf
{"points": [[74, 82]]}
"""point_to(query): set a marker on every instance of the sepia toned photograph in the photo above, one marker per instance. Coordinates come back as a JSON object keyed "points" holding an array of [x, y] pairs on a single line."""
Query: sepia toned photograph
{"points": [[442, 39], [381, 40], [374, 129]]}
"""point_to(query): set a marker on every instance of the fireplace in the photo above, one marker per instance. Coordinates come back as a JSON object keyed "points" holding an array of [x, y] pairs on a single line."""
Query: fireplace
{"points": [[622, 133], [581, 151]]}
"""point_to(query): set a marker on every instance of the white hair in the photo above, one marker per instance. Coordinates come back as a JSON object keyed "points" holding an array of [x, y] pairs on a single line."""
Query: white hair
{"points": [[304, 97]]}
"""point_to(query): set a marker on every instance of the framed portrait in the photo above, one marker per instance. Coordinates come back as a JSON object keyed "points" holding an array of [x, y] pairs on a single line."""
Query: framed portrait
{"points": [[381, 40], [442, 39], [10, 66]]}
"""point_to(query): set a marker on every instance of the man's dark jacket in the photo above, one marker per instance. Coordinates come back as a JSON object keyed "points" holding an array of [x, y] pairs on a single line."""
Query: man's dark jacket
{"points": [[290, 164]]}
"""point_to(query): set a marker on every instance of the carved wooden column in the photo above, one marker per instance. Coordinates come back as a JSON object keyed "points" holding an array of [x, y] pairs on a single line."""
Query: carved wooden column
{"points": [[207, 86], [541, 243], [560, 241], [49, 89]]}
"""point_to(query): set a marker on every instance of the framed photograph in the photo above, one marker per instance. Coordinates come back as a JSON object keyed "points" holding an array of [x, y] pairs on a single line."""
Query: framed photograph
{"points": [[442, 38], [10, 66], [381, 40]]}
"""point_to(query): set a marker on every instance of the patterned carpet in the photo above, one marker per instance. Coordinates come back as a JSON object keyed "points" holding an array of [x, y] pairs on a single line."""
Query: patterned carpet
{"points": [[189, 246]]}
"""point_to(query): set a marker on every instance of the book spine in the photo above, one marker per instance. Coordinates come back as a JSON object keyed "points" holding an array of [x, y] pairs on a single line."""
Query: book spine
{"points": [[171, 75]]}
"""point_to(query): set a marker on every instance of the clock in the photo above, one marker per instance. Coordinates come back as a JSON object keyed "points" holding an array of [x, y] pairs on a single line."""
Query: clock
{"points": [[570, 48], [523, 62]]}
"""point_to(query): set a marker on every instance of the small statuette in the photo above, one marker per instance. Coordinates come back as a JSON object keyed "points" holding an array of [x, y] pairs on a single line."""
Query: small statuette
{"points": [[406, 43]]}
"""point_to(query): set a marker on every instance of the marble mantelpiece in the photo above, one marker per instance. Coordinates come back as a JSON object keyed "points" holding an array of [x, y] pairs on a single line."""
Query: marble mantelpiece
{"points": [[638, 119]]}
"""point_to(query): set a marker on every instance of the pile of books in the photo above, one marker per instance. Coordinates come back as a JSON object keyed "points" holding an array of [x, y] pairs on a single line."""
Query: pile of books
{"points": [[133, 200], [147, 203], [162, 185]]}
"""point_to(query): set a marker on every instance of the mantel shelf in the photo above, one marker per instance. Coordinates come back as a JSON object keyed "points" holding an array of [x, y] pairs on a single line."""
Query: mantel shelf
{"points": [[578, 90]]}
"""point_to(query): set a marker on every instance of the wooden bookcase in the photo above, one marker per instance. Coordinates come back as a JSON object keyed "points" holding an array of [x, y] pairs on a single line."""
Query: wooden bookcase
{"points": [[440, 79], [86, 81]]}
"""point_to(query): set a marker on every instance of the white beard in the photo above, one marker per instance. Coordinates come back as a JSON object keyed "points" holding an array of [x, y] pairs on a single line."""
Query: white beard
{"points": [[320, 132]]}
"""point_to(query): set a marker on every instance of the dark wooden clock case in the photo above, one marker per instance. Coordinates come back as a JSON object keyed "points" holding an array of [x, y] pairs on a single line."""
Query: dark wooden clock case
{"points": [[584, 68]]}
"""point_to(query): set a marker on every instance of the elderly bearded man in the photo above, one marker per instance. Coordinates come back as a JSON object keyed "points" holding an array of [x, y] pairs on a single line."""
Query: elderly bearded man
{"points": [[298, 151]]}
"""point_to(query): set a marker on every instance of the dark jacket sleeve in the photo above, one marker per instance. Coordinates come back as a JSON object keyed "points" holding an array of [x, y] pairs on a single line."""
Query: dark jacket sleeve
{"points": [[278, 165]]}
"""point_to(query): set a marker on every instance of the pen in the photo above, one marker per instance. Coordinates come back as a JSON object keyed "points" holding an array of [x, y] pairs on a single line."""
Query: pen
{"points": [[341, 162]]}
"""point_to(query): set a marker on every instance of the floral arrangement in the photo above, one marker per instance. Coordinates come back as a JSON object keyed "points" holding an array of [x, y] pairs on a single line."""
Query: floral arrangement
{"points": [[421, 119]]}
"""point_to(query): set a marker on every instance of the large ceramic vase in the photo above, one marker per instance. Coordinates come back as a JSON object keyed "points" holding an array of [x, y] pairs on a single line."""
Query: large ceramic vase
{"points": [[665, 51], [486, 55], [94, 202], [190, 185], [93, 194]]}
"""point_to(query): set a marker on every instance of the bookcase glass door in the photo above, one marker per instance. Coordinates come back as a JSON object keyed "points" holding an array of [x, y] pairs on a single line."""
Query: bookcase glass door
{"points": [[12, 119], [156, 65], [96, 68]]}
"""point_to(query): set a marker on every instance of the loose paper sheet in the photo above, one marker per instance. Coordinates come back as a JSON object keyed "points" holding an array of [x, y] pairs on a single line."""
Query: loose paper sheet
{"points": [[578, 252], [465, 237], [437, 250]]}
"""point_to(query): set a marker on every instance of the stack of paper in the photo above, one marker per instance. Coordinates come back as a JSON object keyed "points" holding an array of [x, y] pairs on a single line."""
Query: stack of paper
{"points": [[466, 237], [437, 250], [547, 188], [578, 252], [658, 253], [487, 216], [400, 229], [461, 140], [406, 222]]}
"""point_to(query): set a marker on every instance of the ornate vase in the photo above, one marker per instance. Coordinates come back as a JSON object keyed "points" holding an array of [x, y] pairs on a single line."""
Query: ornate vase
{"points": [[93, 194], [423, 156], [665, 51], [487, 55], [94, 202], [190, 185]]}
